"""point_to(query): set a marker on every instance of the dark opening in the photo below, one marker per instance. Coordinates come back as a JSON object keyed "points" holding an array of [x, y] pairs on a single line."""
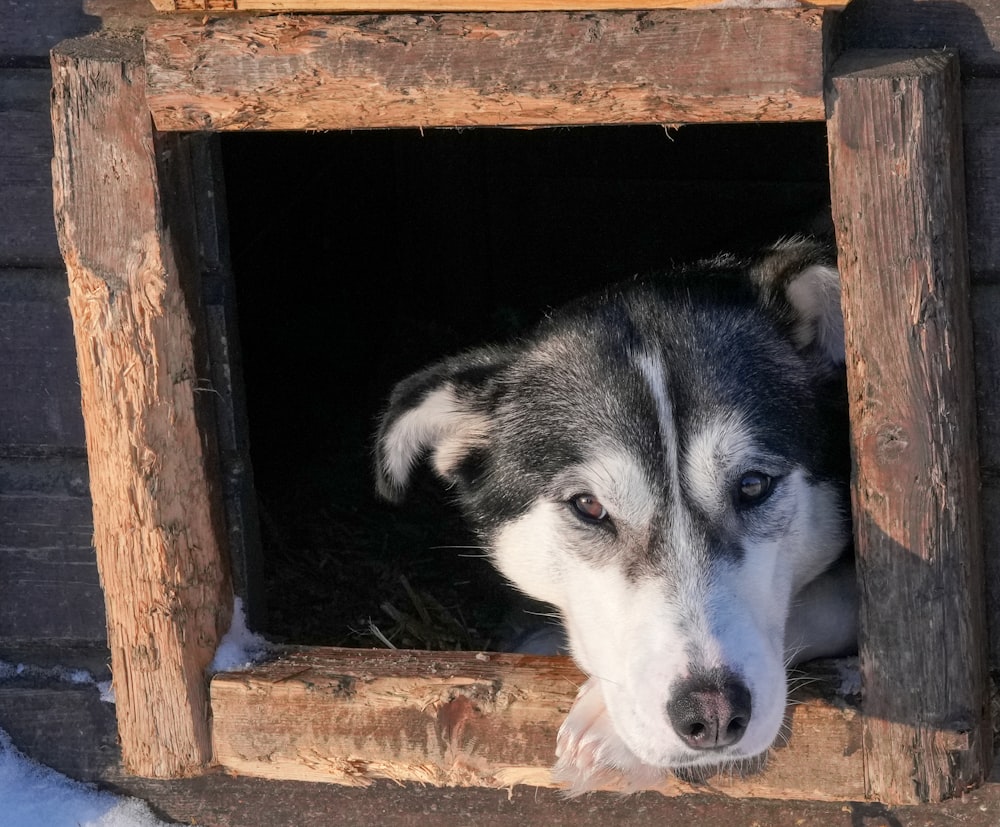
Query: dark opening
{"points": [[361, 256]]}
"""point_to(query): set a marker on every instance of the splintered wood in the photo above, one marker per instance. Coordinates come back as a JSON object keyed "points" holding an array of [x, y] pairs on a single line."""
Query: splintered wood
{"points": [[531, 69], [156, 511], [899, 207], [464, 719], [461, 5]]}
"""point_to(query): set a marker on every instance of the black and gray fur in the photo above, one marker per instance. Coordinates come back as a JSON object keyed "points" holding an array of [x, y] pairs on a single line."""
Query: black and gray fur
{"points": [[651, 446]]}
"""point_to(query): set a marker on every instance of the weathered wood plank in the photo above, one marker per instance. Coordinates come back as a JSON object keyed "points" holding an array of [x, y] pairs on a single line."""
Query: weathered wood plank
{"points": [[49, 587], [51, 592], [981, 115], [32, 29], [342, 72], [67, 727], [62, 726], [223, 800], [228, 398], [986, 325], [898, 194], [423, 6], [991, 540], [971, 27], [39, 393], [122, 201], [465, 719], [29, 30], [27, 234], [55, 653]]}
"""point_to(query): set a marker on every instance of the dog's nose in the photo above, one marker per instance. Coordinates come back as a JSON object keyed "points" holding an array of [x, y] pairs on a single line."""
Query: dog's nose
{"points": [[709, 711]]}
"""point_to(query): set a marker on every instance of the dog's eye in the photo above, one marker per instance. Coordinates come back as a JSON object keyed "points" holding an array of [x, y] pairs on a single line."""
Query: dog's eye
{"points": [[588, 507], [753, 488]]}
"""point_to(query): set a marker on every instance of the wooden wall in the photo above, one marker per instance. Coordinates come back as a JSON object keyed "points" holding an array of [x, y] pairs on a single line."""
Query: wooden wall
{"points": [[51, 608], [49, 591]]}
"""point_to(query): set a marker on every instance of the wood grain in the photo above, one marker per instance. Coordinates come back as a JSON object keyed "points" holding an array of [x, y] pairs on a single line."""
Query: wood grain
{"points": [[544, 69], [981, 111], [39, 396], [970, 26], [49, 588], [456, 5], [898, 193], [126, 239], [985, 318], [61, 725], [27, 237], [466, 719]]}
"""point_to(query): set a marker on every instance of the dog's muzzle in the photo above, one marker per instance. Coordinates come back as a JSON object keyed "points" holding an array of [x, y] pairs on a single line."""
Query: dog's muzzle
{"points": [[709, 710]]}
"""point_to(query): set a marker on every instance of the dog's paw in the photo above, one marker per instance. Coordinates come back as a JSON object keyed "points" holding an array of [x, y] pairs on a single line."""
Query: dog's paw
{"points": [[590, 754]]}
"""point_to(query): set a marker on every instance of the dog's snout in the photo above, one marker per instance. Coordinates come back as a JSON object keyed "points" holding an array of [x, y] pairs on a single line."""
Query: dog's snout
{"points": [[709, 711]]}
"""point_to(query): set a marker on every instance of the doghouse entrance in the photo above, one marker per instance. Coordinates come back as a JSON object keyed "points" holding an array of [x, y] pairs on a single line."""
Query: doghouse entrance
{"points": [[386, 250], [126, 116]]}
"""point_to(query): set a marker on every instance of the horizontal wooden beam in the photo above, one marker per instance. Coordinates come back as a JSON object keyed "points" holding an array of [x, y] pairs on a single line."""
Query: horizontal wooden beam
{"points": [[458, 5], [464, 719], [320, 72]]}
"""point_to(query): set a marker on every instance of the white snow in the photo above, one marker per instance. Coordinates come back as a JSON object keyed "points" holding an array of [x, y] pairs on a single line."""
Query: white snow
{"points": [[32, 795], [36, 796], [239, 647], [9, 671]]}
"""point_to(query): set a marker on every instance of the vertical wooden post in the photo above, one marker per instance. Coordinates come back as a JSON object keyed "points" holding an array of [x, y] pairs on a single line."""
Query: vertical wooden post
{"points": [[897, 177], [127, 241]]}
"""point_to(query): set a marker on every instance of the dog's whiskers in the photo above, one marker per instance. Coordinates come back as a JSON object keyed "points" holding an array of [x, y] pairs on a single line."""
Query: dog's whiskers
{"points": [[791, 655], [483, 555], [606, 680], [794, 684], [784, 734], [548, 615]]}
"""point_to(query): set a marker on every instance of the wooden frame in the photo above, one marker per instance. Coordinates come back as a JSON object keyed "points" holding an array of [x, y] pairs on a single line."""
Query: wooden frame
{"points": [[318, 72], [123, 122], [313, 6]]}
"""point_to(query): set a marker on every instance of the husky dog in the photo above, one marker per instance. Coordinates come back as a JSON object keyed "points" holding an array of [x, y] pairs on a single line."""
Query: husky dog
{"points": [[666, 464]]}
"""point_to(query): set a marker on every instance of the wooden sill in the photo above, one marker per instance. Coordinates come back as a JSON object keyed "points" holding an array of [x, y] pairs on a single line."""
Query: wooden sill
{"points": [[350, 716], [460, 5]]}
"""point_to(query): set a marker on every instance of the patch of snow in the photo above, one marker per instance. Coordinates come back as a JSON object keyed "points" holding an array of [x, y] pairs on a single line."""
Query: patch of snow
{"points": [[9, 671], [32, 795], [239, 647], [107, 690], [36, 796]]}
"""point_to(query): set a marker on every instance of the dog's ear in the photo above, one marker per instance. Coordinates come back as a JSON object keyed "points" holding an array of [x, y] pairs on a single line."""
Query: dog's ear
{"points": [[445, 411], [802, 272]]}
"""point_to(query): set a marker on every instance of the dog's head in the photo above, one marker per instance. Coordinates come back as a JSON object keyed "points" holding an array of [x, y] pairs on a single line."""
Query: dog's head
{"points": [[665, 464]]}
